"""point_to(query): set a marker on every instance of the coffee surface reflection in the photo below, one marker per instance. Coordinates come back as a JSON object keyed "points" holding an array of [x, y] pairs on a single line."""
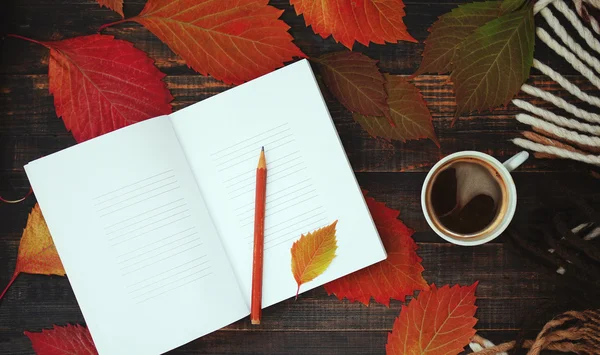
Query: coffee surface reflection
{"points": [[466, 196]]}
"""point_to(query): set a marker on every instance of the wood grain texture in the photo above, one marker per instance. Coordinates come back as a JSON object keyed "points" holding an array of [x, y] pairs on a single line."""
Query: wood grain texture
{"points": [[510, 286]]}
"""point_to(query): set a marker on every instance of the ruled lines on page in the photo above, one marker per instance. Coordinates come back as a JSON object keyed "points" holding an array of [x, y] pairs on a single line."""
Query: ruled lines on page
{"points": [[148, 225], [293, 204]]}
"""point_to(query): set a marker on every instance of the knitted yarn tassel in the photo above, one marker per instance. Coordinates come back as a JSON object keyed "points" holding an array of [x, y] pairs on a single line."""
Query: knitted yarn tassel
{"points": [[558, 136]]}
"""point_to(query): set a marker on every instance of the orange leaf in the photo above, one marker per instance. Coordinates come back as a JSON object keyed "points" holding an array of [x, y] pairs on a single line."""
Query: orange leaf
{"points": [[101, 84], [232, 40], [364, 21], [37, 253], [438, 322], [396, 277], [70, 339], [354, 79], [115, 5], [313, 253]]}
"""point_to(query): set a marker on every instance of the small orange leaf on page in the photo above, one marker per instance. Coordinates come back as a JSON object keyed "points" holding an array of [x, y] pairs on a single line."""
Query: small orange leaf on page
{"points": [[364, 21], [397, 276], [232, 40], [37, 253], [437, 322], [70, 339], [410, 117], [354, 79], [115, 5], [313, 253], [101, 84]]}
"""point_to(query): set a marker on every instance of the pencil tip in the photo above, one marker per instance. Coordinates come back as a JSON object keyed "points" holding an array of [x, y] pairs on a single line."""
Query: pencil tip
{"points": [[262, 149]]}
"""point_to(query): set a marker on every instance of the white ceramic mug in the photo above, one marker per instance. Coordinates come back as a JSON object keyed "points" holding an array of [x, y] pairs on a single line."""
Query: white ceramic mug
{"points": [[504, 218]]}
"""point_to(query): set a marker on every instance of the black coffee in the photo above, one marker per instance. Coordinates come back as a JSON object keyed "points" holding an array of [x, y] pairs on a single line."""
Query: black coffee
{"points": [[466, 196]]}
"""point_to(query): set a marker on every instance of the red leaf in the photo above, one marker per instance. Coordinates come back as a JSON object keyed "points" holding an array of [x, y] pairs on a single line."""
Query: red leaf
{"points": [[101, 84], [354, 79], [115, 5], [364, 21], [232, 40], [396, 277], [67, 340], [438, 322]]}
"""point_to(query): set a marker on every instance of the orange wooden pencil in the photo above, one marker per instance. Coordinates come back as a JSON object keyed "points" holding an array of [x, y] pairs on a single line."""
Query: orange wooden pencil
{"points": [[259, 238]]}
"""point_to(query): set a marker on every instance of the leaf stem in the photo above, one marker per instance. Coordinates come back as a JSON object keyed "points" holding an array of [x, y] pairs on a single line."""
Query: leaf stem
{"points": [[14, 277], [28, 39], [113, 23]]}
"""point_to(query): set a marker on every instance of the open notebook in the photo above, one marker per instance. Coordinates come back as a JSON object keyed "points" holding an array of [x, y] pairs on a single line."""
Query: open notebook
{"points": [[154, 222]]}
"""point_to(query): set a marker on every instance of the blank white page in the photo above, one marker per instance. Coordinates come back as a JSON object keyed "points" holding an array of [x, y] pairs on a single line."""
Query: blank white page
{"points": [[310, 183], [138, 245]]}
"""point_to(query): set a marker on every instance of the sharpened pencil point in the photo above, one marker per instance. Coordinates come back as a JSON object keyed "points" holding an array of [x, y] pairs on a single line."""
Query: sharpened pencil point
{"points": [[262, 149], [262, 164]]}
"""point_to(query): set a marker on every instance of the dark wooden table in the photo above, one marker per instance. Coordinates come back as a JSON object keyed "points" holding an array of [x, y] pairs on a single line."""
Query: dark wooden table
{"points": [[510, 286]]}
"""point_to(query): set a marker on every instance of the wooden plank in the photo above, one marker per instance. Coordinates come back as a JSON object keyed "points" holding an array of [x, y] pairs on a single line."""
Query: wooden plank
{"points": [[234, 342], [508, 286], [363, 342], [36, 301], [31, 129], [398, 190]]}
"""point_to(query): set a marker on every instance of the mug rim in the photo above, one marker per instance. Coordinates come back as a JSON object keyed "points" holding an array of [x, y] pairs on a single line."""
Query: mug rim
{"points": [[511, 195]]}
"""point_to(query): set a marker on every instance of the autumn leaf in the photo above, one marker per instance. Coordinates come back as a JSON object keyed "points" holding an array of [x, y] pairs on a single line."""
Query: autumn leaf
{"points": [[67, 340], [37, 253], [437, 322], [494, 61], [232, 40], [354, 79], [115, 5], [364, 21], [101, 84], [312, 254], [450, 30], [410, 117], [397, 276]]}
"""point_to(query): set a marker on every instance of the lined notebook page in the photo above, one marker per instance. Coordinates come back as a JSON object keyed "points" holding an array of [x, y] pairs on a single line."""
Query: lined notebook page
{"points": [[309, 181], [293, 204], [135, 237]]}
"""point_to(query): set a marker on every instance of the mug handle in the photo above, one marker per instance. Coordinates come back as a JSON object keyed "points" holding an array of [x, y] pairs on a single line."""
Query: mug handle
{"points": [[514, 162]]}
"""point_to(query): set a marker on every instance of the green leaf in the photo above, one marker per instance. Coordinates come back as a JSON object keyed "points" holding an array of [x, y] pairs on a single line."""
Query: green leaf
{"points": [[511, 5], [494, 61], [410, 117], [448, 32]]}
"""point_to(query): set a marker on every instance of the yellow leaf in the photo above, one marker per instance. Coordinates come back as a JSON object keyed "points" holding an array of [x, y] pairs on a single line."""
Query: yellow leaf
{"points": [[37, 253], [312, 254]]}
